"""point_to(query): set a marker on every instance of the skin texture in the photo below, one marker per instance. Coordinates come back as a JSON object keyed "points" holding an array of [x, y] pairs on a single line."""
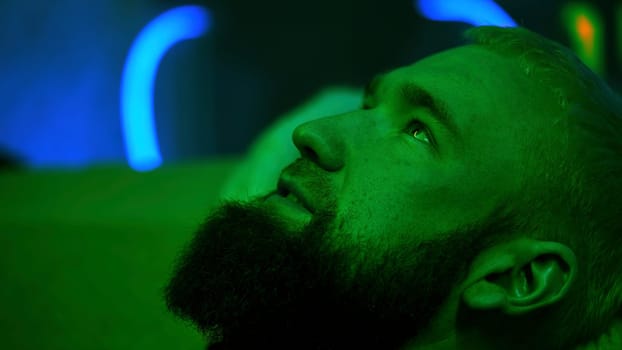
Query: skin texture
{"points": [[394, 255]]}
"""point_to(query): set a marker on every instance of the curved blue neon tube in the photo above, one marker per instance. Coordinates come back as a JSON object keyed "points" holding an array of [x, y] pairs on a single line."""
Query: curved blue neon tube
{"points": [[139, 73], [474, 12]]}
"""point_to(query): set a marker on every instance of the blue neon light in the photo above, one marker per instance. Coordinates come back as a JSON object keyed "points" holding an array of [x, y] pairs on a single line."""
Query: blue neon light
{"points": [[474, 12], [141, 67]]}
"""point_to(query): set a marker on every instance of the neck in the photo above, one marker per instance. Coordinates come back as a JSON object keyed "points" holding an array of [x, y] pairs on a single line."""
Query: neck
{"points": [[610, 340]]}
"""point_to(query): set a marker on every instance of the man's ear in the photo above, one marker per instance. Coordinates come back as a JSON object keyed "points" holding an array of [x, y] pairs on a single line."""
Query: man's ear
{"points": [[520, 276]]}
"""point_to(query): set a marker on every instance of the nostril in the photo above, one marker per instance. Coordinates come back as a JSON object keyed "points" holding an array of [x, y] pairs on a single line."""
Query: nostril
{"points": [[309, 153], [282, 191]]}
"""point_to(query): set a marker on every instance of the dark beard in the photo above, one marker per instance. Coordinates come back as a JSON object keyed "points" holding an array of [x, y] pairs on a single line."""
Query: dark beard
{"points": [[247, 281]]}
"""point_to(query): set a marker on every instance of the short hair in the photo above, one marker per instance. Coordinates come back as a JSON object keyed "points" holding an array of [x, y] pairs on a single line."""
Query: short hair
{"points": [[574, 191]]}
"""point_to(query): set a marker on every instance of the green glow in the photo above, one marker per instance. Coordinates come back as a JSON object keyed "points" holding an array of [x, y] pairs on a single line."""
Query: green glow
{"points": [[585, 26]]}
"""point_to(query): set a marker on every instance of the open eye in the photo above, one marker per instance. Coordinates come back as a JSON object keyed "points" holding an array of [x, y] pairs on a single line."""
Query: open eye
{"points": [[417, 128]]}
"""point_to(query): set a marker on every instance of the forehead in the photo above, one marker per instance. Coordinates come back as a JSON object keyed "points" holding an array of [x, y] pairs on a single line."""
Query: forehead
{"points": [[478, 84], [488, 96], [494, 105]]}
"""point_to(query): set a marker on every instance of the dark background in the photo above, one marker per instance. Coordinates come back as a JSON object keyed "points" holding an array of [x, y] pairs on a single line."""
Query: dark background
{"points": [[62, 61]]}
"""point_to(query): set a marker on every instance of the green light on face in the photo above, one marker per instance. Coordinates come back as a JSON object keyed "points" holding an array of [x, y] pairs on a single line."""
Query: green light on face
{"points": [[585, 27]]}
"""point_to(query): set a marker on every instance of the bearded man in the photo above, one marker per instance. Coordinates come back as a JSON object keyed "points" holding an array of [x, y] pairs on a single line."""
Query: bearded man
{"points": [[472, 202]]}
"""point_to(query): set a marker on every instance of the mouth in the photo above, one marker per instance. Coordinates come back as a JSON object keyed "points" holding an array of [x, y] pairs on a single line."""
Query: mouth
{"points": [[293, 193], [288, 202], [290, 196]]}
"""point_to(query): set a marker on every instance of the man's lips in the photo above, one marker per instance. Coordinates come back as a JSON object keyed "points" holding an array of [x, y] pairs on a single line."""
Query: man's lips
{"points": [[287, 188], [288, 202]]}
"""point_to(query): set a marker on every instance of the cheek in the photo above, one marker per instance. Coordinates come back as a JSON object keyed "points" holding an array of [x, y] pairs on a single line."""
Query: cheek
{"points": [[373, 217], [382, 203]]}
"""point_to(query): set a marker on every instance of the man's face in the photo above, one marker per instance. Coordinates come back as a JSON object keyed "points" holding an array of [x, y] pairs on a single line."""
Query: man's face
{"points": [[397, 219]]}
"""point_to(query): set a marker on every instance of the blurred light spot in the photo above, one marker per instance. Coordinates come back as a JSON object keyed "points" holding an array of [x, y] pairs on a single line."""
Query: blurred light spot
{"points": [[474, 12], [139, 73], [586, 32], [585, 27]]}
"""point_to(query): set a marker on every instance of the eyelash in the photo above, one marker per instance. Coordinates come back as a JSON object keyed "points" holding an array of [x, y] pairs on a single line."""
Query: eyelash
{"points": [[411, 124], [420, 125]]}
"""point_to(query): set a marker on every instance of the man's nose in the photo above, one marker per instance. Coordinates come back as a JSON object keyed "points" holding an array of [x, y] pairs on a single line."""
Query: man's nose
{"points": [[322, 141]]}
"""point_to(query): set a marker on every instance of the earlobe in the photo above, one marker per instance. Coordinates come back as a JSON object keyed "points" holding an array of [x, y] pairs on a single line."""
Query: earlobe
{"points": [[520, 277]]}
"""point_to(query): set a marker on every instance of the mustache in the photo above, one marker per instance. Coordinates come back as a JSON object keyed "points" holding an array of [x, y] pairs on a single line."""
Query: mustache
{"points": [[317, 182]]}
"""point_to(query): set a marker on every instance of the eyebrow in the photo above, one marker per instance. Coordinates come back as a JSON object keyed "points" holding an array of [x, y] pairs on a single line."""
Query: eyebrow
{"points": [[417, 96]]}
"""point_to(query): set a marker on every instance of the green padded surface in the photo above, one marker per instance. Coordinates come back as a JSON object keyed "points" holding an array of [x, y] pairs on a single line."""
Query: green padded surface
{"points": [[85, 254]]}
